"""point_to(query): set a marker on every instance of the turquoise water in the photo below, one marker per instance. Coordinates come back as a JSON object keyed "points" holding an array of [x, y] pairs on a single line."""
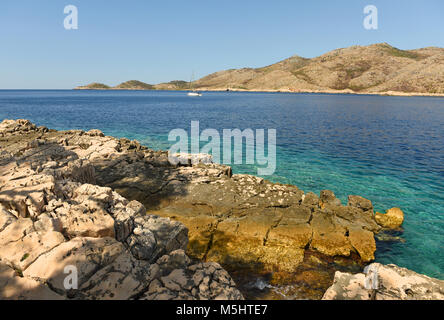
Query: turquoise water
{"points": [[387, 149]]}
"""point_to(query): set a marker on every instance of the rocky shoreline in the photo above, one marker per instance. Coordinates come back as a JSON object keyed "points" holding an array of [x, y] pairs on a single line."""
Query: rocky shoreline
{"points": [[347, 91], [137, 227]]}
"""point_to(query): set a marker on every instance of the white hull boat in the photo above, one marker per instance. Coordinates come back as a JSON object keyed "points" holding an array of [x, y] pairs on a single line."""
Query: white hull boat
{"points": [[194, 94]]}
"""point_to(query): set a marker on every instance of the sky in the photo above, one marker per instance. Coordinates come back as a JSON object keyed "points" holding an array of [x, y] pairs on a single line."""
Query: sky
{"points": [[160, 41]]}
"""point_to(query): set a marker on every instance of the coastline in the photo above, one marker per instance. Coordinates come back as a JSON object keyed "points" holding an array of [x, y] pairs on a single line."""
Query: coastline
{"points": [[254, 228], [337, 92]]}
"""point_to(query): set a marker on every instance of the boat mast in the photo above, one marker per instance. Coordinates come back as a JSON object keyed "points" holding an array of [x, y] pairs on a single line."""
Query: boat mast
{"points": [[191, 81]]}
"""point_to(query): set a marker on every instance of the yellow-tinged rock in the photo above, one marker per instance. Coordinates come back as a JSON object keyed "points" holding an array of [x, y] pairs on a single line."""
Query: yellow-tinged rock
{"points": [[392, 219], [329, 237], [293, 235], [364, 242]]}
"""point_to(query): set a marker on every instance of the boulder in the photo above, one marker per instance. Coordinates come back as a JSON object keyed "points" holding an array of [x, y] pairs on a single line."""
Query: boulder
{"points": [[384, 282], [364, 243], [392, 219]]}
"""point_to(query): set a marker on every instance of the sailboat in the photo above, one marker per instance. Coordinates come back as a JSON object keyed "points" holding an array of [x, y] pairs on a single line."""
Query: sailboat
{"points": [[193, 92]]}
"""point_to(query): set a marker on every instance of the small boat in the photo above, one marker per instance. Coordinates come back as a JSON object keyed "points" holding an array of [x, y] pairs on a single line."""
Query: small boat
{"points": [[193, 93]]}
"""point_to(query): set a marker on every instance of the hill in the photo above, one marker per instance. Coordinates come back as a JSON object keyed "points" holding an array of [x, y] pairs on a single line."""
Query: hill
{"points": [[173, 85], [374, 69], [378, 68], [134, 85], [93, 86]]}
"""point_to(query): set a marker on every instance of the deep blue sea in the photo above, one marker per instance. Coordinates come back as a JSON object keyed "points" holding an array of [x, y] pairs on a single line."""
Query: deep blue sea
{"points": [[387, 149]]}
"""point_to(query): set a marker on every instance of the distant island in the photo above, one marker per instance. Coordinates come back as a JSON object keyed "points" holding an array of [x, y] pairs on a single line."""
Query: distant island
{"points": [[374, 69]]}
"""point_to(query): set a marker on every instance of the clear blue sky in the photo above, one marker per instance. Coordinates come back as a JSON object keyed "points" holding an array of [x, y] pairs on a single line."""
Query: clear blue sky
{"points": [[157, 41]]}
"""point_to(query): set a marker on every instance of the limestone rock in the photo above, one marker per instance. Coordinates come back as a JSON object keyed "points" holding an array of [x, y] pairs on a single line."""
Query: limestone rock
{"points": [[360, 202], [78, 221], [329, 237], [47, 223], [190, 159], [385, 282], [21, 253], [16, 231], [6, 218], [123, 279], [154, 236], [207, 281], [55, 220], [15, 287], [328, 197], [392, 219], [348, 287], [95, 133], [364, 243], [142, 243], [87, 255], [310, 199]]}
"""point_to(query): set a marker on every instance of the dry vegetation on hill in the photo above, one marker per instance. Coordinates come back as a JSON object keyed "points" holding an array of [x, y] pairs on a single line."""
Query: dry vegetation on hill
{"points": [[375, 68], [378, 68]]}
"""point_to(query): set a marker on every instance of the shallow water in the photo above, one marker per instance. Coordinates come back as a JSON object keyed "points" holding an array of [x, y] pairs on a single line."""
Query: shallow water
{"points": [[387, 149]]}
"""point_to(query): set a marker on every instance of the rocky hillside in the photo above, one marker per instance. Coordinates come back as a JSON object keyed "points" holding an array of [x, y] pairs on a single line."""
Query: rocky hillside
{"points": [[375, 69], [128, 85], [378, 68], [94, 86], [134, 85], [173, 85]]}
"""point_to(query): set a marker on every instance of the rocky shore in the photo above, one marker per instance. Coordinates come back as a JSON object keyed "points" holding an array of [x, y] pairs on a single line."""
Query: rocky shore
{"points": [[137, 227], [53, 217]]}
